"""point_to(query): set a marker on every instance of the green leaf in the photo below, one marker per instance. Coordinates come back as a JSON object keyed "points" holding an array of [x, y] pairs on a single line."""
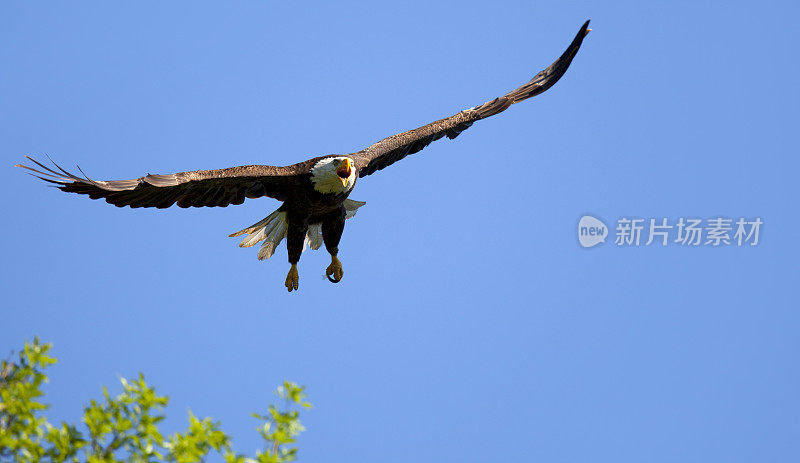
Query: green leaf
{"points": [[125, 426]]}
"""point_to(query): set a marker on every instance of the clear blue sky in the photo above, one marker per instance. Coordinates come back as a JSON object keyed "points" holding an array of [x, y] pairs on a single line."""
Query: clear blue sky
{"points": [[470, 326]]}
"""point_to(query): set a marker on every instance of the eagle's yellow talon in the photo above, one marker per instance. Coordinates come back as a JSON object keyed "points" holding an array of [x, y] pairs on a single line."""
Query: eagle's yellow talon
{"points": [[334, 269], [292, 279]]}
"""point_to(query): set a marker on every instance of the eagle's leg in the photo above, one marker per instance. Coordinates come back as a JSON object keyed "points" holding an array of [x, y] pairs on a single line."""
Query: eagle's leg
{"points": [[292, 278], [295, 238], [332, 228], [334, 269]]}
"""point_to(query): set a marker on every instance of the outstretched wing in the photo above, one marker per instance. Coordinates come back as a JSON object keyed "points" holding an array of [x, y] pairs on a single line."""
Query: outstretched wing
{"points": [[390, 150], [198, 188]]}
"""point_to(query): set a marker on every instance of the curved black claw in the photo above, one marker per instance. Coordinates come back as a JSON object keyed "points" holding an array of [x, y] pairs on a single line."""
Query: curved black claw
{"points": [[334, 269]]}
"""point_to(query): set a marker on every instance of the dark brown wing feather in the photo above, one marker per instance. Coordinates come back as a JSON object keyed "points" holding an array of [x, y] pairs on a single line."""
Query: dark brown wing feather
{"points": [[198, 188], [390, 150]]}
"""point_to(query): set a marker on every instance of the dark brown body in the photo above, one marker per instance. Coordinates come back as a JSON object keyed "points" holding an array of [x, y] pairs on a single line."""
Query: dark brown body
{"points": [[305, 206]]}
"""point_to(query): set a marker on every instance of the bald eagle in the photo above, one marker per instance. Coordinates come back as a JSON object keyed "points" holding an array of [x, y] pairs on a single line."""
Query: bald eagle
{"points": [[314, 192]]}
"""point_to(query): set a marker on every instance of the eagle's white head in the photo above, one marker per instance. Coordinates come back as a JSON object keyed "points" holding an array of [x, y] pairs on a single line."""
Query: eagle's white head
{"points": [[334, 175]]}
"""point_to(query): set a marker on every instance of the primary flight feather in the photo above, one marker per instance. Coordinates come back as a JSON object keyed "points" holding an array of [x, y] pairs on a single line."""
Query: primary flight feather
{"points": [[314, 192]]}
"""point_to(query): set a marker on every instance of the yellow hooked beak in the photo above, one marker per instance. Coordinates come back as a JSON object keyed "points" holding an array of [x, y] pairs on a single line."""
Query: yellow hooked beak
{"points": [[344, 171]]}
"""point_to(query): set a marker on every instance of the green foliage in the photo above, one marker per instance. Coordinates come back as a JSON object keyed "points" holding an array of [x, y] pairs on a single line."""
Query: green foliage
{"points": [[281, 427], [125, 427]]}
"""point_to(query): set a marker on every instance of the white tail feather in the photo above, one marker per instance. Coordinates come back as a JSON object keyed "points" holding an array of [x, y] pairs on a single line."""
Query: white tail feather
{"points": [[272, 230], [351, 207], [313, 237]]}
